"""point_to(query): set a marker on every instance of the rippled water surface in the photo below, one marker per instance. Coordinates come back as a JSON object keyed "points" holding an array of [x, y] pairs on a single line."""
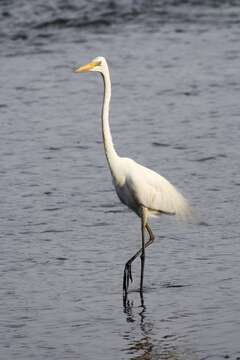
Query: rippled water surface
{"points": [[64, 235]]}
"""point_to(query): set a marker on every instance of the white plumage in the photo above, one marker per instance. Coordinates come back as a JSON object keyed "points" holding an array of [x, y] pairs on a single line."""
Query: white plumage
{"points": [[138, 186], [141, 189]]}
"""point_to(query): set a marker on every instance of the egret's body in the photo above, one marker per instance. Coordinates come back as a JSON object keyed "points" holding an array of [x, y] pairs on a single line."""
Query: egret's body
{"points": [[144, 191], [139, 186]]}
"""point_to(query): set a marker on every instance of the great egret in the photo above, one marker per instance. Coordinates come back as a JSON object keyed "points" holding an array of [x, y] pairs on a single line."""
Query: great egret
{"points": [[144, 191]]}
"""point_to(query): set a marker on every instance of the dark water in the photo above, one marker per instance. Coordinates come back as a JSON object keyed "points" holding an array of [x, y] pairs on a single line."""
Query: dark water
{"points": [[64, 235]]}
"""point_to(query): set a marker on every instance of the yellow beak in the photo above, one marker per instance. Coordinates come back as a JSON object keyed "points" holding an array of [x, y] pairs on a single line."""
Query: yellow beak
{"points": [[87, 67]]}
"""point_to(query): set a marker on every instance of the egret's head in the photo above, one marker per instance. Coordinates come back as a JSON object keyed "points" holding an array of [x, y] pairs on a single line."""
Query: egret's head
{"points": [[97, 64]]}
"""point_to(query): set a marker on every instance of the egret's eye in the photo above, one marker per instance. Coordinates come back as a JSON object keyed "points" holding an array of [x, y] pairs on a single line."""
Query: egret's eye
{"points": [[97, 63]]}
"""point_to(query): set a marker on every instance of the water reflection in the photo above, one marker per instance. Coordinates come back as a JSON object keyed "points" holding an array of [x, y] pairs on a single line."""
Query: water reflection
{"points": [[128, 306], [146, 346]]}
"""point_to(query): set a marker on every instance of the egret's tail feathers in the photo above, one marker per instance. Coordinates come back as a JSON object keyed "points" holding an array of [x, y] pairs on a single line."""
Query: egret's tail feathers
{"points": [[184, 211], [177, 204]]}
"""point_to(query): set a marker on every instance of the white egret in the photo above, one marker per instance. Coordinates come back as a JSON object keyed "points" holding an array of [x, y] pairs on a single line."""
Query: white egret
{"points": [[144, 191]]}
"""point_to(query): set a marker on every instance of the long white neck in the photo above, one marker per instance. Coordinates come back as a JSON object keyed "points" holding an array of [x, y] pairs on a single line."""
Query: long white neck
{"points": [[107, 137]]}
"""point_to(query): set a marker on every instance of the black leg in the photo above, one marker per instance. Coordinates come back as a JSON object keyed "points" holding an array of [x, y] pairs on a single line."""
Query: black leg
{"points": [[151, 236], [127, 275], [142, 253]]}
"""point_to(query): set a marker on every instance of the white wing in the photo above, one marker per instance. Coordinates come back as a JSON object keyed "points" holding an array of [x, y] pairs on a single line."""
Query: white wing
{"points": [[155, 192]]}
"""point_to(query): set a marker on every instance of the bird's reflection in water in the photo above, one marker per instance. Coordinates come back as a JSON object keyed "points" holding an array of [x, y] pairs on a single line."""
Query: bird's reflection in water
{"points": [[145, 347], [128, 306]]}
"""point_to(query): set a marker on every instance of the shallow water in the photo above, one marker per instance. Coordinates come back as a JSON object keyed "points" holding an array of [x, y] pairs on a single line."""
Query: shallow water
{"points": [[64, 235]]}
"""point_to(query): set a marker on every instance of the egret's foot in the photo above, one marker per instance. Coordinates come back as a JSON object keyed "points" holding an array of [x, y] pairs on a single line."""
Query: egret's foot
{"points": [[127, 275]]}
